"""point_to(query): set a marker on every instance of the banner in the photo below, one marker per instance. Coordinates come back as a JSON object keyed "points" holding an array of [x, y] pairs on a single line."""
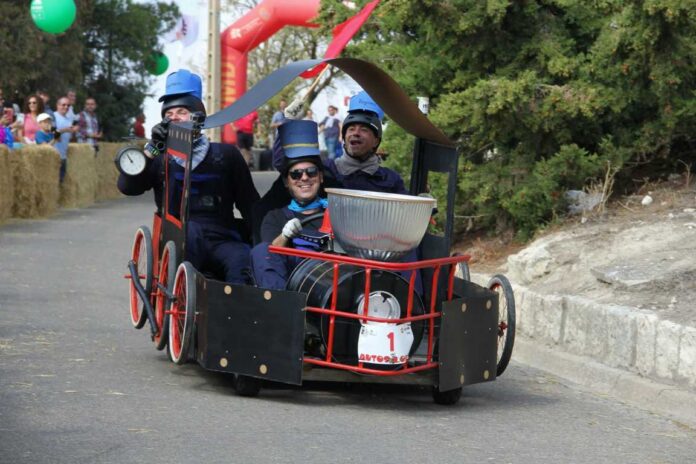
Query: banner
{"points": [[186, 30], [342, 35]]}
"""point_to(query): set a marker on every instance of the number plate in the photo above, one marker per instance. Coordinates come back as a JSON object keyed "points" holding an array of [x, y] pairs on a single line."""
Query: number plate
{"points": [[381, 343]]}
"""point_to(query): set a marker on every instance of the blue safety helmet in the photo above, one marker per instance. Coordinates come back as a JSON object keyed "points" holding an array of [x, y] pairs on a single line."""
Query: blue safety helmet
{"points": [[183, 89], [362, 109], [300, 142]]}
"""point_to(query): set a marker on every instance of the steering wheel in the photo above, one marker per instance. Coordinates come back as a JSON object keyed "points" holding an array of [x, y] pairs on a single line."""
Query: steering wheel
{"points": [[323, 240], [312, 217]]}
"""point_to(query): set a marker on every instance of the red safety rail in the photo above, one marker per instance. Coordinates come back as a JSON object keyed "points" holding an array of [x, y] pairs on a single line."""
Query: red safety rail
{"points": [[370, 265]]}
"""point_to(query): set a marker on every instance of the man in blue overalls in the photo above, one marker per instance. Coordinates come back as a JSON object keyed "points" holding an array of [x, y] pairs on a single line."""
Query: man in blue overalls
{"points": [[216, 242], [302, 175]]}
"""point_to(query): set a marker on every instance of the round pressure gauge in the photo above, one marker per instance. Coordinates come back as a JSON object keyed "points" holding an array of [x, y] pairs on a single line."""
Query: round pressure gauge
{"points": [[131, 161]]}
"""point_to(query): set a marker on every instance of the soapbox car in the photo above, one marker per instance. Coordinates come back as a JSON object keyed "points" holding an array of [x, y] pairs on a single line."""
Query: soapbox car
{"points": [[351, 316]]}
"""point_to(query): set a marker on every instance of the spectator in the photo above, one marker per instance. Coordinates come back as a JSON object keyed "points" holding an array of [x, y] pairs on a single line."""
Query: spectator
{"points": [[46, 98], [18, 124], [44, 134], [65, 128], [6, 120], [330, 126], [245, 135], [72, 98], [309, 116], [279, 116], [139, 126], [32, 110], [88, 130]]}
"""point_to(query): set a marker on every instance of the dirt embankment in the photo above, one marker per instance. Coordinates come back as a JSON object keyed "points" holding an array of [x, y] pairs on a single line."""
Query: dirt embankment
{"points": [[634, 254]]}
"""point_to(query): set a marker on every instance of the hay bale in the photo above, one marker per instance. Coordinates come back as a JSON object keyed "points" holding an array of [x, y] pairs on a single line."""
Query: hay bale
{"points": [[79, 187], [47, 174], [35, 171], [24, 174], [6, 185], [106, 171]]}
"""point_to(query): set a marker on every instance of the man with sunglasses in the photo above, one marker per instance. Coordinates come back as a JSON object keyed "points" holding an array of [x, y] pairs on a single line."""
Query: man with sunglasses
{"points": [[302, 175]]}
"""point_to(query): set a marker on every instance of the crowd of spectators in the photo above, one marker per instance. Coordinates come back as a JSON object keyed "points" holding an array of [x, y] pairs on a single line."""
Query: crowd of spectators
{"points": [[36, 123], [31, 120]]}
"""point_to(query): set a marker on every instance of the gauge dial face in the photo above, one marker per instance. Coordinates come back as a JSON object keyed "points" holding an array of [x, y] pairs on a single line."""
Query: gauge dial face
{"points": [[131, 161]]}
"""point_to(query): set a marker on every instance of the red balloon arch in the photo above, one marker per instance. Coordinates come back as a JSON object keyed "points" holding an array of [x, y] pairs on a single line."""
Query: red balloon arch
{"points": [[267, 18]]}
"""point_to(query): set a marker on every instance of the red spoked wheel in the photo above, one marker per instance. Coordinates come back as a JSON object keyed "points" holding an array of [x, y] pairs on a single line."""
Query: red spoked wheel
{"points": [[141, 255], [182, 313], [506, 319], [165, 285]]}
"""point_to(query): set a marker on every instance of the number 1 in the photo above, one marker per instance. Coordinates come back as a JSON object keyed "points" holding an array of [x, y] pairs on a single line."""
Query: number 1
{"points": [[390, 336]]}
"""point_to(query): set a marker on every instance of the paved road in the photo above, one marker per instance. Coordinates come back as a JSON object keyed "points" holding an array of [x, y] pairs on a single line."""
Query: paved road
{"points": [[79, 385]]}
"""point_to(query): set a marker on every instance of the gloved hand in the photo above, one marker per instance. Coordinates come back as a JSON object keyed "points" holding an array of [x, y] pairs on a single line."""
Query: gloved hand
{"points": [[158, 136], [294, 109], [292, 228]]}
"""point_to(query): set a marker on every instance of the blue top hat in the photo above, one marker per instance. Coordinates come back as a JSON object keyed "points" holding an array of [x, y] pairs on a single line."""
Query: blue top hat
{"points": [[299, 138], [363, 102], [181, 82]]}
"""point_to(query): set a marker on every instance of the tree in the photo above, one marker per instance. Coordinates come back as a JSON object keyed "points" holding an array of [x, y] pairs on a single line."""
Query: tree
{"points": [[34, 59], [541, 95], [102, 55], [120, 38]]}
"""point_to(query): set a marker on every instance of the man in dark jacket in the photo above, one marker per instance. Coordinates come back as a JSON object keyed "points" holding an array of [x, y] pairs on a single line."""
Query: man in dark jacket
{"points": [[359, 170], [362, 134], [220, 181]]}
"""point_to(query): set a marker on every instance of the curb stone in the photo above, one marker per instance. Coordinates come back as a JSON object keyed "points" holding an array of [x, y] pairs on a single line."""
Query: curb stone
{"points": [[633, 340]]}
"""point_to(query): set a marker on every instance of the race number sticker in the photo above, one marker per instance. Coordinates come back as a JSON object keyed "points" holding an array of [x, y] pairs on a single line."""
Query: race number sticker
{"points": [[384, 343]]}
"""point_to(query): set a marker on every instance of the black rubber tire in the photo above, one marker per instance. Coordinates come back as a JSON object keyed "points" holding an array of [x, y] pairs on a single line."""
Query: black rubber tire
{"points": [[247, 386], [506, 320], [162, 303], [141, 243], [182, 313], [463, 269], [447, 398]]}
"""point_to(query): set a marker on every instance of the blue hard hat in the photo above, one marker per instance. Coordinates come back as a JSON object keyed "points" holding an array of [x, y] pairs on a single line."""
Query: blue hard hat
{"points": [[363, 102], [181, 82], [362, 109]]}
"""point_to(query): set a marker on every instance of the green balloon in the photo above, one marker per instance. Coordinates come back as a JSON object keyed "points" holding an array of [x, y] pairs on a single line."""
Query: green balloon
{"points": [[53, 16], [157, 63]]}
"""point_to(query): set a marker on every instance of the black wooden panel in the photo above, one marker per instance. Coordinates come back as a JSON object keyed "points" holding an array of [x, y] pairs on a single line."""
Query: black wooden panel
{"points": [[251, 331], [468, 337]]}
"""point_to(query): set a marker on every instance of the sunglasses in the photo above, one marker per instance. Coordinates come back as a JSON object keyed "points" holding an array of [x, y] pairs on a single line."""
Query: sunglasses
{"points": [[32, 103], [296, 174]]}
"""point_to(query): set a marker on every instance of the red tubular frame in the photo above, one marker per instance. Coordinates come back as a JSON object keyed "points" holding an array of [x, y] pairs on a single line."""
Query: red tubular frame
{"points": [[370, 265]]}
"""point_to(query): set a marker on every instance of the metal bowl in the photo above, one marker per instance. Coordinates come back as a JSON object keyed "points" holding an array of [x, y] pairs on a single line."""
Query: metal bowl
{"points": [[376, 225]]}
